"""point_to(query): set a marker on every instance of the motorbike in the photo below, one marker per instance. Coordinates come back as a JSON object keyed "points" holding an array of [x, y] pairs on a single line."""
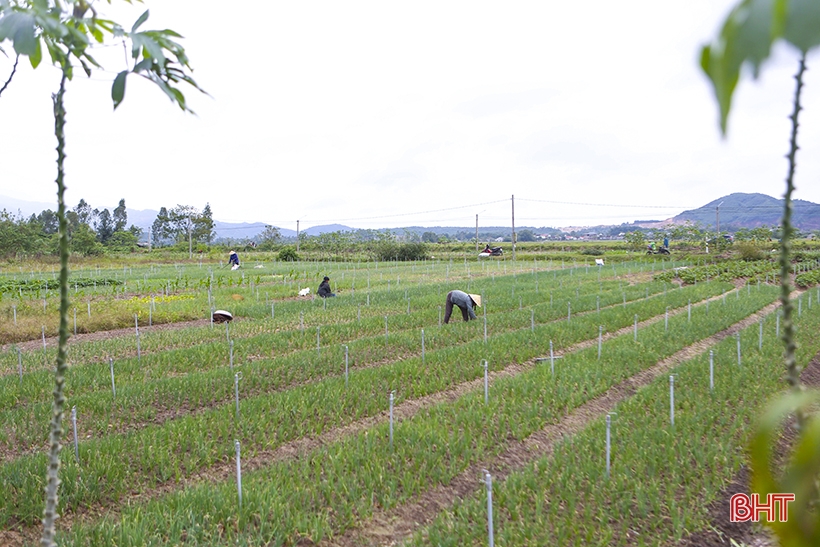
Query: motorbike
{"points": [[491, 251], [659, 251]]}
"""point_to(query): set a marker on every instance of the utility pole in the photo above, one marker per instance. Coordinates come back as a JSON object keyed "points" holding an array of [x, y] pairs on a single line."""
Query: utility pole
{"points": [[297, 236], [717, 225], [513, 225], [150, 235], [476, 232], [190, 241]]}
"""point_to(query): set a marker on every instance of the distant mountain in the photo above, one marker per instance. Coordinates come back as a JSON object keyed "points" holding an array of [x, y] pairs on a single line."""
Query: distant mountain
{"points": [[741, 210], [142, 219], [25, 208]]}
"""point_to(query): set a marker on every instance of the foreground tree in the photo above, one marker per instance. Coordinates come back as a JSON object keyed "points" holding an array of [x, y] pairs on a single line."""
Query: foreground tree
{"points": [[66, 29], [746, 37]]}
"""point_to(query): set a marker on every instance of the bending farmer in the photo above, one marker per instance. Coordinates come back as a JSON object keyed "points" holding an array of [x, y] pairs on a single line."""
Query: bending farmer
{"points": [[466, 302], [233, 259]]}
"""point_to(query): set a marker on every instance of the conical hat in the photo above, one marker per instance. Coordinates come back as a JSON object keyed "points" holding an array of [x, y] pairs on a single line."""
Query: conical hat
{"points": [[476, 298]]}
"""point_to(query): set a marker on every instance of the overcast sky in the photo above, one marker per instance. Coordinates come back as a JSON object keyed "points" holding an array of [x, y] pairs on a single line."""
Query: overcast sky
{"points": [[385, 114]]}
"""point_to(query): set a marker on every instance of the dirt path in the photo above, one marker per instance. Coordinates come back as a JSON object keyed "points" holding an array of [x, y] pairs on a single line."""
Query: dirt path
{"points": [[96, 336], [390, 528]]}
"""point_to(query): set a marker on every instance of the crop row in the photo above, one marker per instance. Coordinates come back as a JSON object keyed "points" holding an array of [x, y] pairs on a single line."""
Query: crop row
{"points": [[180, 277], [26, 319], [808, 279], [135, 462], [16, 285], [279, 285], [337, 486], [755, 272], [141, 397], [121, 312], [340, 320], [381, 302]]}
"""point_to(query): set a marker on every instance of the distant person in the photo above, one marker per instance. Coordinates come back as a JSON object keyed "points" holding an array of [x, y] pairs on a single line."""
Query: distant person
{"points": [[233, 260], [666, 242], [324, 288], [465, 302]]}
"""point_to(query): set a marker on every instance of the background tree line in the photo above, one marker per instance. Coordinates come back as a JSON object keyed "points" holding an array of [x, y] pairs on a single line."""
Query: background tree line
{"points": [[91, 231], [94, 231]]}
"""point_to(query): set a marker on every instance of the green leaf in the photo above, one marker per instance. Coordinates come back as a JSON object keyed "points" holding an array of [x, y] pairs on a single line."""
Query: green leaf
{"points": [[56, 54], [20, 27], [169, 32], [91, 60], [723, 82], [37, 56], [96, 33], [143, 65], [746, 37], [140, 21], [118, 88], [5, 26], [802, 28], [150, 47], [86, 68]]}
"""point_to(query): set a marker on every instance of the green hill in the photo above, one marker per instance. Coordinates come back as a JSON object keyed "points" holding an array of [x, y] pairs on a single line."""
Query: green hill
{"points": [[741, 210]]}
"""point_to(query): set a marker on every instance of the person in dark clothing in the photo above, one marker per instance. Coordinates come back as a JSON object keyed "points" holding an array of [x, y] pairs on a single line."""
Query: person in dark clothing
{"points": [[324, 288], [233, 259], [465, 302]]}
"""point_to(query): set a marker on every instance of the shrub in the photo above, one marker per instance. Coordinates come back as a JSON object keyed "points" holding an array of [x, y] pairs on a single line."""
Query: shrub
{"points": [[387, 251], [288, 254], [749, 251], [593, 251]]}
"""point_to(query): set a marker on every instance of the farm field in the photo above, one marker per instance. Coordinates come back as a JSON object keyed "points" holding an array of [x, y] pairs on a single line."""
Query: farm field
{"points": [[363, 420]]}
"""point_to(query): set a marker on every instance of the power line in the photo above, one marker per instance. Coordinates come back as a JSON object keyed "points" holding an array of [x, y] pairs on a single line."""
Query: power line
{"points": [[605, 204], [395, 215], [412, 214]]}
